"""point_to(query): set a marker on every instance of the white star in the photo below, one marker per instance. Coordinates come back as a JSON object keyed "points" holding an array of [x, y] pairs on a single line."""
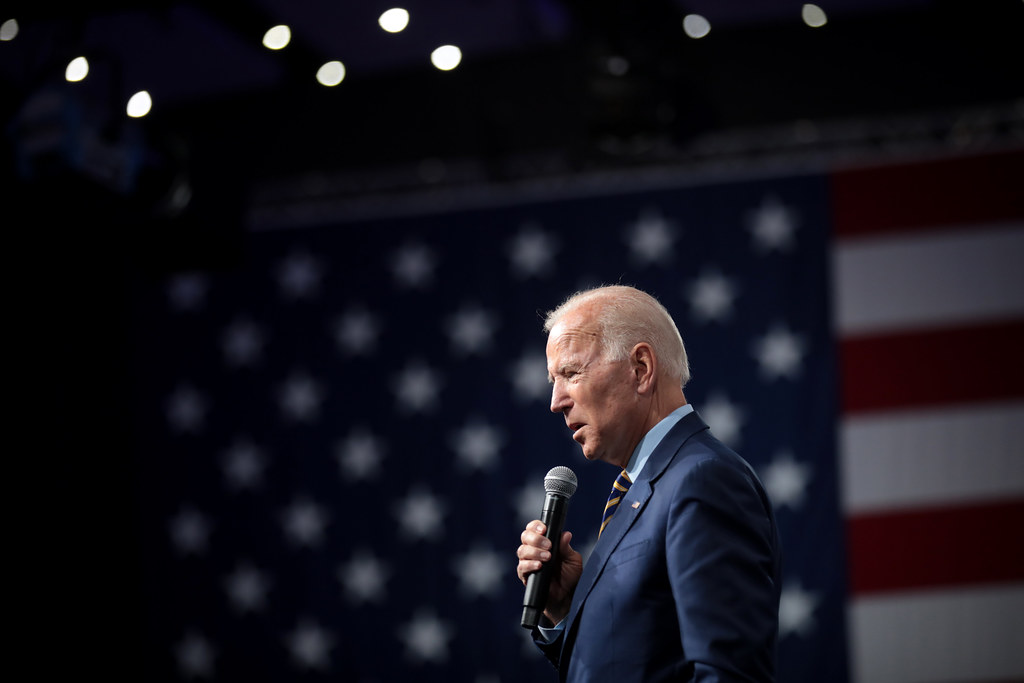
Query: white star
{"points": [[190, 531], [479, 572], [529, 377], [356, 332], [796, 611], [724, 418], [532, 252], [299, 275], [360, 455], [772, 225], [186, 410], [413, 266], [529, 500], [195, 656], [779, 353], [650, 238], [419, 515], [786, 480], [243, 464], [711, 297], [304, 522], [471, 330], [247, 588], [363, 578], [426, 638], [310, 646], [187, 292], [242, 343], [416, 388], [477, 445], [301, 397]]}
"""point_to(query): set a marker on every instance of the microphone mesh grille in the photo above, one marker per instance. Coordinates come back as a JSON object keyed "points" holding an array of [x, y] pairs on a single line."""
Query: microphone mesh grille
{"points": [[560, 481]]}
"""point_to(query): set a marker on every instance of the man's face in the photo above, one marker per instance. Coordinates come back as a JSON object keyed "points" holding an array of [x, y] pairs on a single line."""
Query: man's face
{"points": [[597, 397]]}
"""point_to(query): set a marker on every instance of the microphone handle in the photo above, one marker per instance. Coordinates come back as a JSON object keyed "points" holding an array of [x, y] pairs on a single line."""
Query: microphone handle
{"points": [[553, 517]]}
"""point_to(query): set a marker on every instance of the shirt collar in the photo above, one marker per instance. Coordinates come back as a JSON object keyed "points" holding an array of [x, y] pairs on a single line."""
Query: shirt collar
{"points": [[651, 440]]}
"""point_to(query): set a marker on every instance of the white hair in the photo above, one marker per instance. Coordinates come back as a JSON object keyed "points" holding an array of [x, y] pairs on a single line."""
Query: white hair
{"points": [[626, 316]]}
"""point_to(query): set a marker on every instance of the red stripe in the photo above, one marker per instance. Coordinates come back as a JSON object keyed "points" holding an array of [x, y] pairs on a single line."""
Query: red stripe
{"points": [[933, 367], [937, 547], [965, 191]]}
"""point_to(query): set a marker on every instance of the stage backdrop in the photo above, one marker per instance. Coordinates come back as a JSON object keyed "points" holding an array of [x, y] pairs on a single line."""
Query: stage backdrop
{"points": [[341, 438]]}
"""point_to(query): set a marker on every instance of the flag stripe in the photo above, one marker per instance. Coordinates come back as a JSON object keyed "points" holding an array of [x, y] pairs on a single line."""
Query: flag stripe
{"points": [[933, 367], [928, 303], [907, 637], [983, 189], [914, 281], [932, 547], [928, 457]]}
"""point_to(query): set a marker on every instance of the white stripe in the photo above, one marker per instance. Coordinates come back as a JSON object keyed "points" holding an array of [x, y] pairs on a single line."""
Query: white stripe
{"points": [[913, 281], [964, 635], [907, 459]]}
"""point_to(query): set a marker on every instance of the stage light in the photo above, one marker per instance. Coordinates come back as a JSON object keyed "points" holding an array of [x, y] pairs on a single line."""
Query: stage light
{"points": [[77, 69], [331, 73], [813, 16], [394, 20], [277, 37], [696, 26], [446, 57], [139, 104], [9, 29]]}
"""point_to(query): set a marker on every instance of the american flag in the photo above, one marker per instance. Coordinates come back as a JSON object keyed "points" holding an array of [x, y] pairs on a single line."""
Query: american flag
{"points": [[341, 436]]}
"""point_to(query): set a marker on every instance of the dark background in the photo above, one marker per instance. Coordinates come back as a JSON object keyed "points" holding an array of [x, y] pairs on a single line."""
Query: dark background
{"points": [[88, 194]]}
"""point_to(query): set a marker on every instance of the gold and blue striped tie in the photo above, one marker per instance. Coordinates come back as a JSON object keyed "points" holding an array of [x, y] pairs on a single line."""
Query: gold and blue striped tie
{"points": [[619, 489]]}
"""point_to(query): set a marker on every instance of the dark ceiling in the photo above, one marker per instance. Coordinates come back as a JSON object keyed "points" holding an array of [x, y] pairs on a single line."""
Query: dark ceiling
{"points": [[534, 82]]}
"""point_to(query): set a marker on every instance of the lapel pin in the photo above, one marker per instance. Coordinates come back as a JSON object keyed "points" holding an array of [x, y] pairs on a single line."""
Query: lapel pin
{"points": [[636, 505]]}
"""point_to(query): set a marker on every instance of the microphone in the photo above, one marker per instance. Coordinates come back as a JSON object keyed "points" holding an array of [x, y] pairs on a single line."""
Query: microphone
{"points": [[559, 483]]}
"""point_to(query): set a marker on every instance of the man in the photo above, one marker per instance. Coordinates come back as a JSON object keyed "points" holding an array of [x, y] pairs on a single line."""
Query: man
{"points": [[683, 583]]}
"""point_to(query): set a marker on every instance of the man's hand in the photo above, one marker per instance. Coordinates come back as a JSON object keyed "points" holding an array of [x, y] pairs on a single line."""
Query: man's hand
{"points": [[534, 552]]}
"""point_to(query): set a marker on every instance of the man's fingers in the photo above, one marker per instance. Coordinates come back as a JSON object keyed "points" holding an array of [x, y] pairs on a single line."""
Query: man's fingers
{"points": [[533, 535]]}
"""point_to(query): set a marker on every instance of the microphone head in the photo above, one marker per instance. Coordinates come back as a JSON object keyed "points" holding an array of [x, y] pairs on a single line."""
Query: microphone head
{"points": [[560, 481]]}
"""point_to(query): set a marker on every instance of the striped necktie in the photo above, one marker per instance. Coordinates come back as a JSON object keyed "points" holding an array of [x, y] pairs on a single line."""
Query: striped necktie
{"points": [[619, 489]]}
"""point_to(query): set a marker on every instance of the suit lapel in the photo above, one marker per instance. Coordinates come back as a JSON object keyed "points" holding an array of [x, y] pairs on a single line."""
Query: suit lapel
{"points": [[631, 507]]}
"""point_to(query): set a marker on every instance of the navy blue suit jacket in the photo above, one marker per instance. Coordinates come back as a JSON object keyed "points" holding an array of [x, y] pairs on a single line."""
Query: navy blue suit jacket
{"points": [[683, 584]]}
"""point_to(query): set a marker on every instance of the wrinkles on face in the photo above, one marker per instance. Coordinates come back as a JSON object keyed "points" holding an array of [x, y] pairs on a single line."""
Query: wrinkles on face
{"points": [[591, 392]]}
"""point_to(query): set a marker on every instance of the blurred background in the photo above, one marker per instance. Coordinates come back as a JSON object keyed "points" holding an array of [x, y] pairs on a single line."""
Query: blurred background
{"points": [[279, 271]]}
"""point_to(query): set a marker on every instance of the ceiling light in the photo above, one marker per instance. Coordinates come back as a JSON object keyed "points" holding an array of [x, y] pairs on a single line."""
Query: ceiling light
{"points": [[9, 29], [446, 57], [331, 74], [139, 104], [277, 37], [77, 69], [696, 26], [813, 16], [394, 20]]}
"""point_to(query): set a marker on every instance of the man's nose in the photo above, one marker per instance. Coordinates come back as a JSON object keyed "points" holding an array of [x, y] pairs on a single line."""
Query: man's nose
{"points": [[559, 398]]}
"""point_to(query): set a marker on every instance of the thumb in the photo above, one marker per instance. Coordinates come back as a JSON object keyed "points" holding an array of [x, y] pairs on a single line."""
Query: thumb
{"points": [[564, 545]]}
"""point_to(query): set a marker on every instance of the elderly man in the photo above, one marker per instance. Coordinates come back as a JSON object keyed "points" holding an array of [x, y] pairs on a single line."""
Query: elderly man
{"points": [[683, 583]]}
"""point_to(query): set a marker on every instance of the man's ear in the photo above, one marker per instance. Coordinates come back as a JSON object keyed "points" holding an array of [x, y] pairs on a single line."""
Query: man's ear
{"points": [[645, 366]]}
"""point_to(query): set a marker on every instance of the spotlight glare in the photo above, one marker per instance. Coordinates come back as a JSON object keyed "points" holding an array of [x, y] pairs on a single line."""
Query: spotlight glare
{"points": [[331, 74], [813, 16], [9, 29], [696, 26], [394, 20], [277, 37], [446, 57], [139, 104], [77, 70]]}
